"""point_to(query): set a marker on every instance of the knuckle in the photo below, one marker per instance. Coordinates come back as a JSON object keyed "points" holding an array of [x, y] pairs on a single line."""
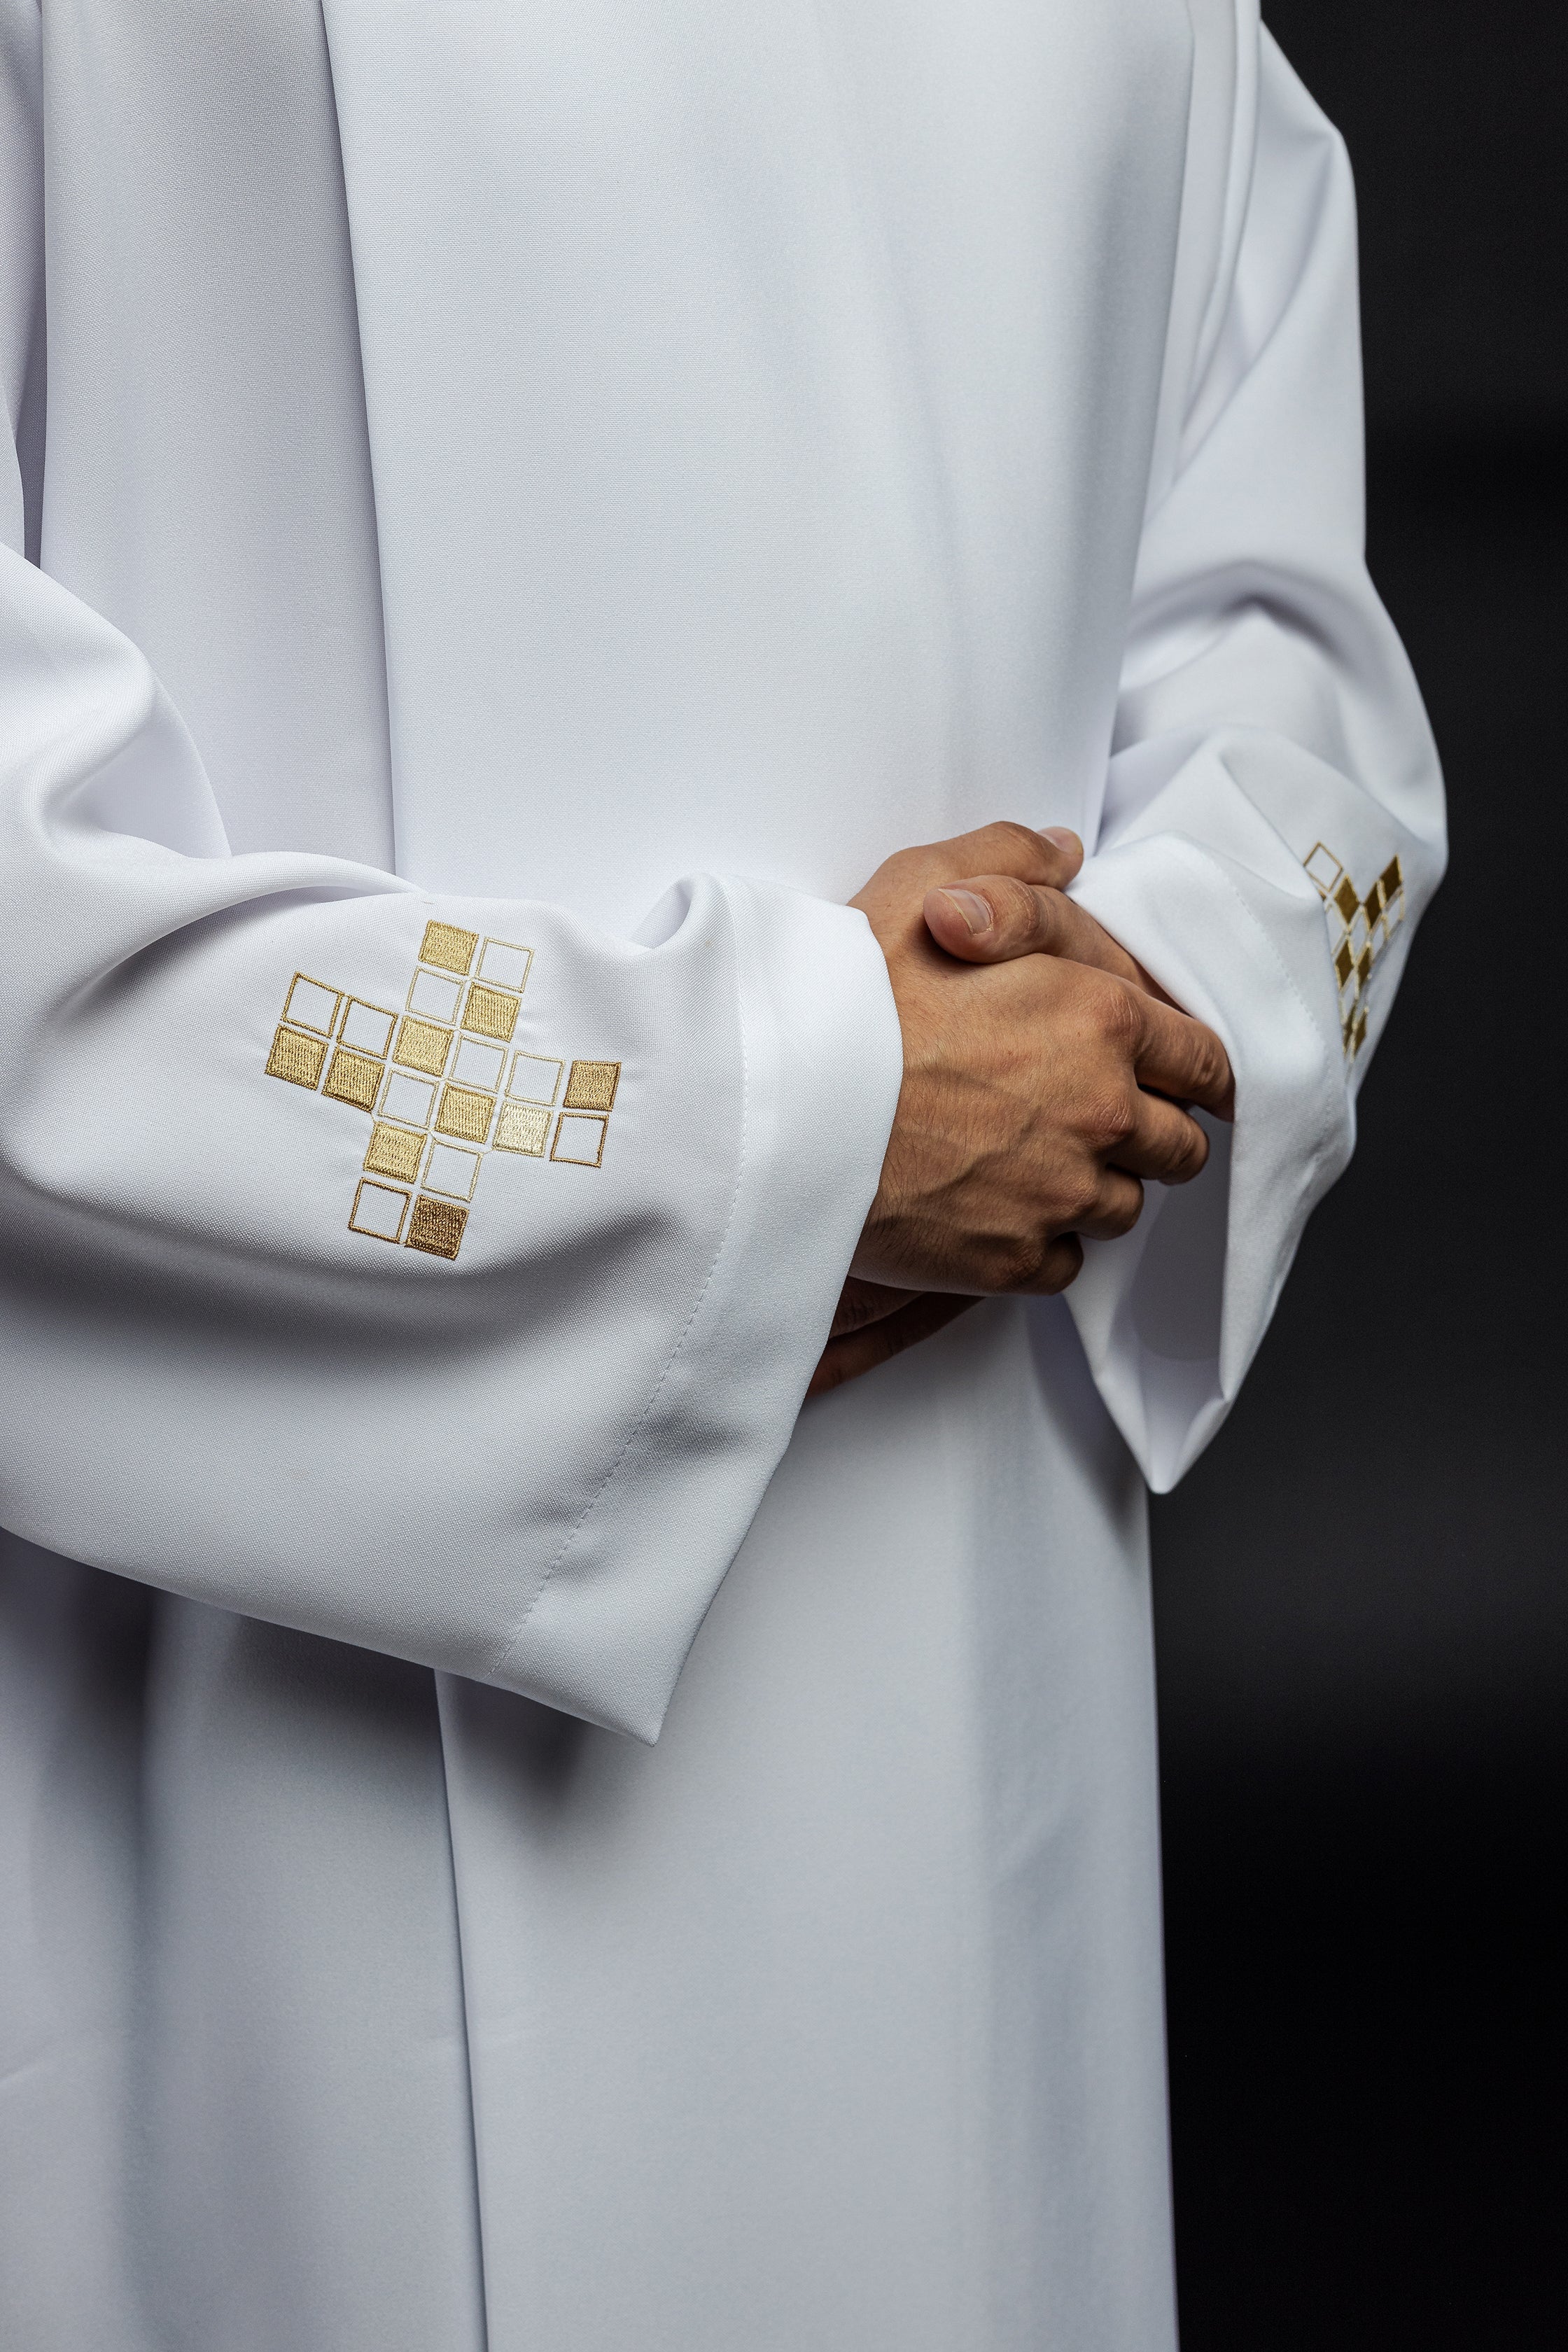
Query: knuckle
{"points": [[1125, 1209], [1108, 1119], [1080, 1199], [1117, 1014], [1062, 1265], [1048, 913], [1022, 1263], [1014, 1267], [1021, 842], [1210, 1066], [1017, 909], [1192, 1153]]}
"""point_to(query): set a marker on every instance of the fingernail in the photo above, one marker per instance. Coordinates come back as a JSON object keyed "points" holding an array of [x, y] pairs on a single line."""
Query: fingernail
{"points": [[975, 911], [1063, 835]]}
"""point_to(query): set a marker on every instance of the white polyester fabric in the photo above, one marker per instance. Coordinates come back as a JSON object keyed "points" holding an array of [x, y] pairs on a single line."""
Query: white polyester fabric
{"points": [[514, 469]]}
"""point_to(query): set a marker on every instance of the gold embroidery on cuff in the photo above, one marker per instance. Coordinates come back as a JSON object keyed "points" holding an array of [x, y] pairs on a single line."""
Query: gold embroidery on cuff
{"points": [[1323, 866], [479, 1064], [410, 1101], [421, 1045], [348, 1036], [491, 1010], [297, 1057], [367, 1027], [579, 1140], [446, 945], [1360, 930], [505, 965], [534, 1078], [378, 1211], [463, 1112], [592, 1086], [311, 1005], [395, 1151], [436, 996], [353, 1078], [437, 1226], [452, 1171], [523, 1127]]}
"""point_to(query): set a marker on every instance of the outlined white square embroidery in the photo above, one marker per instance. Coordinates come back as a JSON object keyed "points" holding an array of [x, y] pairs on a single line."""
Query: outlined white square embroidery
{"points": [[379, 1211]]}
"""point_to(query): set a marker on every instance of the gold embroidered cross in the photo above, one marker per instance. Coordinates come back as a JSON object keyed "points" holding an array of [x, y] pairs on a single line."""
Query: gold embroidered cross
{"points": [[1358, 931], [441, 1084]]}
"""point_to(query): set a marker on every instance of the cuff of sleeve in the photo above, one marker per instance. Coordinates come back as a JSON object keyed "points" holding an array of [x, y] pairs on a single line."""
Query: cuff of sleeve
{"points": [[823, 1057], [1172, 1316]]}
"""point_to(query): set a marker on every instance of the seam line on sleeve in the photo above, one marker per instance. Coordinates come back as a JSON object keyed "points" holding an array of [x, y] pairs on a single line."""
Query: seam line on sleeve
{"points": [[570, 1538]]}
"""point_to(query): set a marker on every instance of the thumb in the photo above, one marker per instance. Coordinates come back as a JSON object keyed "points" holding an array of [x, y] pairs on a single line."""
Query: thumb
{"points": [[993, 917]]}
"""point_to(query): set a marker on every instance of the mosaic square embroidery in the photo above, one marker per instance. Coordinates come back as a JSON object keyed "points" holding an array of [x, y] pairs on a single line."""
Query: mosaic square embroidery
{"points": [[359, 1053]]}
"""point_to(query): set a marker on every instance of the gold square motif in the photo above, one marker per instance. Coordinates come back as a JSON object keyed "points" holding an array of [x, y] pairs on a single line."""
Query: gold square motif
{"points": [[523, 1127], [579, 1140], [592, 1086], [491, 1012], [395, 1151], [437, 1226], [311, 1005], [434, 997], [1361, 935], [353, 1078], [452, 1171], [534, 1078], [1323, 866], [422, 1046], [446, 945], [296, 1057], [505, 965], [446, 1065], [367, 1027], [408, 1102], [378, 1211], [465, 1113]]}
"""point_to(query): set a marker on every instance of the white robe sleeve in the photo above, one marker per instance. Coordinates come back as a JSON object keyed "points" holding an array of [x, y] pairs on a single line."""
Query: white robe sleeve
{"points": [[1273, 819], [438, 1274]]}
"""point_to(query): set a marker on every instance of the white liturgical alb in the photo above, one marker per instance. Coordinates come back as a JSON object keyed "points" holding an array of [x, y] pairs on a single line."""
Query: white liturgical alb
{"points": [[517, 510]]}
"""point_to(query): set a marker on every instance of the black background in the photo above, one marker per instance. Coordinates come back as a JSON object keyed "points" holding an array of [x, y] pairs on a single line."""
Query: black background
{"points": [[1362, 1613]]}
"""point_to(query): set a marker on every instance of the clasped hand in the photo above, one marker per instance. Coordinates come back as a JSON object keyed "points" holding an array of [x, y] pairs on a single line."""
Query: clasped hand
{"points": [[1046, 1078]]}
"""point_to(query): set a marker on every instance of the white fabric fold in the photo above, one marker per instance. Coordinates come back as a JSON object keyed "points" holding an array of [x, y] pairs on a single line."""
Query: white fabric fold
{"points": [[530, 1462], [1269, 749], [543, 453]]}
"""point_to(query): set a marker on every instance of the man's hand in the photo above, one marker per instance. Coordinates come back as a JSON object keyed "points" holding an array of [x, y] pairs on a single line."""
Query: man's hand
{"points": [[992, 917], [1039, 1089], [873, 1322]]}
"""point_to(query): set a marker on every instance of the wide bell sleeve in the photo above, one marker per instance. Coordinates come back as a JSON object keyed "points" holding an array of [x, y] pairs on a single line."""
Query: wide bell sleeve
{"points": [[1273, 819], [440, 1275]]}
